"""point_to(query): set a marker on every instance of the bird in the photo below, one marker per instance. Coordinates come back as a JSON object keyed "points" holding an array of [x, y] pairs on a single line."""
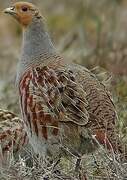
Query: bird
{"points": [[13, 137], [64, 106]]}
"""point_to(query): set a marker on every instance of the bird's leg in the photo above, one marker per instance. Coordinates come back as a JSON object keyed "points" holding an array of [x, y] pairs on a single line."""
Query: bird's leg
{"points": [[57, 161], [53, 162], [54, 167], [78, 165], [95, 161], [78, 169]]}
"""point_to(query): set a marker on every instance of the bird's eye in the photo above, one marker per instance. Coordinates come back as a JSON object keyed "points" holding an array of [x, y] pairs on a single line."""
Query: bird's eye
{"points": [[24, 9]]}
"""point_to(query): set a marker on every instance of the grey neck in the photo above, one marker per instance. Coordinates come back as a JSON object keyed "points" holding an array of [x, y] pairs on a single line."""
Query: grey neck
{"points": [[36, 43], [36, 40]]}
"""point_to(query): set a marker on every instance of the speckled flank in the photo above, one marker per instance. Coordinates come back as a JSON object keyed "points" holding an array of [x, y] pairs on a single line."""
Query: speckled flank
{"points": [[13, 136]]}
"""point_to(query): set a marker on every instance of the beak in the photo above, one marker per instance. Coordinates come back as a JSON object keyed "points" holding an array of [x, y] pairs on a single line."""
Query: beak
{"points": [[10, 11]]}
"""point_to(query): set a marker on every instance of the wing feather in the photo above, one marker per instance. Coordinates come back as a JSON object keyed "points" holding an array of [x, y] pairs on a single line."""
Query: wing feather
{"points": [[58, 92]]}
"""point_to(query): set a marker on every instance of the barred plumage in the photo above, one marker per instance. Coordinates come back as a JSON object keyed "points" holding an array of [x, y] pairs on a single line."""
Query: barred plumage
{"points": [[13, 137], [65, 103]]}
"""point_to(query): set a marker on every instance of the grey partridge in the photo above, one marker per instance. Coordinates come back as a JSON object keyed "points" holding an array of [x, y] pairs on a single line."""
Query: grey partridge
{"points": [[13, 136], [64, 106]]}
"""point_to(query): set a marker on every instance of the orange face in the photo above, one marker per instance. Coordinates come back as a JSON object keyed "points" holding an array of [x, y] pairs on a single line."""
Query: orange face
{"points": [[23, 12]]}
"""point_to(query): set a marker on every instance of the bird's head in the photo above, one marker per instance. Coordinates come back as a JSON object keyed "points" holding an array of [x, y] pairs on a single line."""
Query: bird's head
{"points": [[23, 12]]}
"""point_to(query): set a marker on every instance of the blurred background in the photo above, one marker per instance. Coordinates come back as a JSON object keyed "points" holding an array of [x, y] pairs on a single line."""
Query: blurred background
{"points": [[89, 32]]}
